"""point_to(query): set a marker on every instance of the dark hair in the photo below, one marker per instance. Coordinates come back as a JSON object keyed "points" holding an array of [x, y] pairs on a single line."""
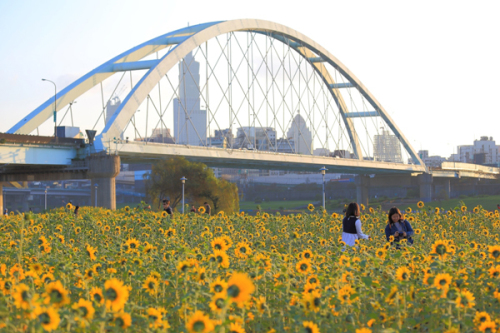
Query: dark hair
{"points": [[76, 209], [353, 210], [392, 211], [206, 203], [166, 201]]}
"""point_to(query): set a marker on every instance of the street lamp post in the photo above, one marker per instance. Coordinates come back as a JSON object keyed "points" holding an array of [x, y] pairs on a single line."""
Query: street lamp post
{"points": [[55, 107], [46, 188], [95, 197], [183, 179], [323, 171]]}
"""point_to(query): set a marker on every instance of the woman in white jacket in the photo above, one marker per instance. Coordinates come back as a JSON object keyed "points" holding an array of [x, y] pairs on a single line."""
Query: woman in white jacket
{"points": [[351, 225]]}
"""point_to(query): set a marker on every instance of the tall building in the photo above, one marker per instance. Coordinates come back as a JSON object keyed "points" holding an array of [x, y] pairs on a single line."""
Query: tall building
{"points": [[483, 151], [111, 107], [386, 148], [190, 122], [260, 138], [301, 136]]}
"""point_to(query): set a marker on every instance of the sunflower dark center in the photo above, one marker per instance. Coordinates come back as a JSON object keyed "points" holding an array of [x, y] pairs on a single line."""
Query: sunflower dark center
{"points": [[44, 318], [151, 285], [442, 282], [495, 253], [312, 280], [307, 255], [441, 249], [97, 297], [482, 319], [243, 249], [308, 330], [153, 317], [218, 288], [55, 296], [133, 245], [220, 259], [233, 291], [219, 303], [83, 311], [218, 247], [303, 267], [111, 294], [404, 276], [202, 276], [26, 296], [199, 326], [119, 321], [316, 301]]}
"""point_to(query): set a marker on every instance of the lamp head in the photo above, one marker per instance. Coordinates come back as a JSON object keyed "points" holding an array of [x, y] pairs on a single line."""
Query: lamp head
{"points": [[323, 170], [183, 179]]}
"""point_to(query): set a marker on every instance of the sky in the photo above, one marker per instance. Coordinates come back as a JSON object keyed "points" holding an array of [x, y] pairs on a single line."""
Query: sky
{"points": [[433, 65]]}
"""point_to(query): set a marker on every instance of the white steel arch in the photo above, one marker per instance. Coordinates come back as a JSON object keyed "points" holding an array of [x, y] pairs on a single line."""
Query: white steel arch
{"points": [[186, 40]]}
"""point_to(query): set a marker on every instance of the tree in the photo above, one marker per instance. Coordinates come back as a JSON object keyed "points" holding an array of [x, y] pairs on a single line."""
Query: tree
{"points": [[164, 181]]}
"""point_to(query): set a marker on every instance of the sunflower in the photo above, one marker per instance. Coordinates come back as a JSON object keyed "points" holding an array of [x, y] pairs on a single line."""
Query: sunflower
{"points": [[85, 310], [170, 232], [344, 294], [494, 272], [96, 295], [91, 251], [219, 244], [442, 281], [408, 210], [310, 327], [481, 317], [242, 250], [488, 326], [236, 328], [392, 296], [201, 210], [22, 296], [239, 288], [465, 299], [132, 244], [122, 320], [304, 266], [363, 330], [199, 323], [420, 204], [218, 286], [116, 294], [403, 274], [48, 317], [494, 252], [440, 247], [380, 253], [155, 317], [218, 302], [56, 294], [151, 285], [463, 209], [221, 258], [307, 254]]}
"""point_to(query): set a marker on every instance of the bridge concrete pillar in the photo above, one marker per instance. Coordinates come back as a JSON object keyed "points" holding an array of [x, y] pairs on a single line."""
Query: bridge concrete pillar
{"points": [[425, 184], [103, 170], [362, 189], [447, 187]]}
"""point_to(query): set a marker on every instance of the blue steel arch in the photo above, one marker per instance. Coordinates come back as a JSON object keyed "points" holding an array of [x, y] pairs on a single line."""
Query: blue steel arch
{"points": [[186, 40]]}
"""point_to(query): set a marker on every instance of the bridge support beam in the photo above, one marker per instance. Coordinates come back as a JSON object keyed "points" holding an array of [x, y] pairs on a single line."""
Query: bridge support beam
{"points": [[103, 170], [425, 184], [362, 189]]}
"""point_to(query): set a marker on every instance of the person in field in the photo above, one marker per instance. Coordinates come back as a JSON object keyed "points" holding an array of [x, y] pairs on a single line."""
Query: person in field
{"points": [[351, 225], [398, 227]]}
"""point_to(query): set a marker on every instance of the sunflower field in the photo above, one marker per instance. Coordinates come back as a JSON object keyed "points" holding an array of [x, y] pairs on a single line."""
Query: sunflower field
{"points": [[138, 270]]}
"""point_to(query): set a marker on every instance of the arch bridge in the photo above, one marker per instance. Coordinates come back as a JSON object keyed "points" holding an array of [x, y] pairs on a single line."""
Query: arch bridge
{"points": [[241, 93]]}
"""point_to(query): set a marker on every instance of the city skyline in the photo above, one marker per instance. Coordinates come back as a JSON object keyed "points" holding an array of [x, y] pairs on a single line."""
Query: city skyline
{"points": [[421, 54]]}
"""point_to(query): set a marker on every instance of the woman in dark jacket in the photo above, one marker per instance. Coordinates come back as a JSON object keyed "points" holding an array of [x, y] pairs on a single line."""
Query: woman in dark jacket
{"points": [[397, 227]]}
